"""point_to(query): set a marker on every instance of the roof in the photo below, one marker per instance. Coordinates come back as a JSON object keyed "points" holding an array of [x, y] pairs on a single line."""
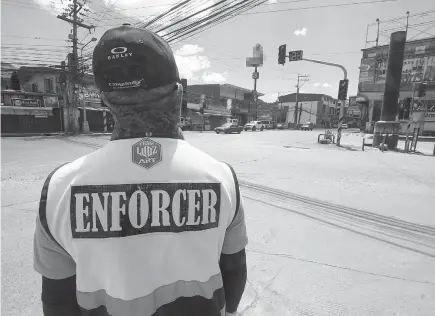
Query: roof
{"points": [[6, 74], [303, 97], [25, 73], [8, 66]]}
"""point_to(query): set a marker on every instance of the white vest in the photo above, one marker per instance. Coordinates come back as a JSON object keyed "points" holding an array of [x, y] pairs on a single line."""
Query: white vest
{"points": [[140, 215]]}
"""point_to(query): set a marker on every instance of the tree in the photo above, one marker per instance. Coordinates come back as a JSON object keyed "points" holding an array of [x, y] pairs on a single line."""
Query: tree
{"points": [[15, 81]]}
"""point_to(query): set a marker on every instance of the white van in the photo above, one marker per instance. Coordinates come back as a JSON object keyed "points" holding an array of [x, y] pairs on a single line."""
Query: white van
{"points": [[254, 126], [267, 124], [233, 121]]}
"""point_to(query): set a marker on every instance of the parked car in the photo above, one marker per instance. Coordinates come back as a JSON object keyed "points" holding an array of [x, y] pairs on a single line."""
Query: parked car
{"points": [[307, 126], [280, 126], [253, 126], [228, 128]]}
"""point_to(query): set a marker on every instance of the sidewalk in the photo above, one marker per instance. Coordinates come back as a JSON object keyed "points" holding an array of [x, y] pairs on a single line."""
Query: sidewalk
{"points": [[51, 134], [354, 141]]}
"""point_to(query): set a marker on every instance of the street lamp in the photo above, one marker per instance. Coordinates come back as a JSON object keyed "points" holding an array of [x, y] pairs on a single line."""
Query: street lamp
{"points": [[85, 121], [93, 39]]}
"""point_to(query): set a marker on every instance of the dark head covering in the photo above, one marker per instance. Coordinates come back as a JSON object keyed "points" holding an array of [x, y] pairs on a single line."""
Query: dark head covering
{"points": [[136, 72], [129, 58]]}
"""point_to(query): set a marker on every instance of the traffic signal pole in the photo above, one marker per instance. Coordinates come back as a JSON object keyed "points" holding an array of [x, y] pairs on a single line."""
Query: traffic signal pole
{"points": [[342, 102], [298, 55]]}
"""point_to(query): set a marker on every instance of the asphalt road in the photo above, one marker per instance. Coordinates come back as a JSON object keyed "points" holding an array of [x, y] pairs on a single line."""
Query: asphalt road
{"points": [[332, 231]]}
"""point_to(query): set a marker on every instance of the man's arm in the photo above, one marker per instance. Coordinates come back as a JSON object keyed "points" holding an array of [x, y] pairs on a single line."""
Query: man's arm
{"points": [[58, 275], [233, 258], [55, 265]]}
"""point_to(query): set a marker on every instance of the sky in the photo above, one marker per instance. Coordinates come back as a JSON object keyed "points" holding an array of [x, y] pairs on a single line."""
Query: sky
{"points": [[31, 33]]}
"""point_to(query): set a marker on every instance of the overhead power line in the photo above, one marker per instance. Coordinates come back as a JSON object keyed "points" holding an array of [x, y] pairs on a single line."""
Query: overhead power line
{"points": [[35, 38], [215, 15], [321, 6]]}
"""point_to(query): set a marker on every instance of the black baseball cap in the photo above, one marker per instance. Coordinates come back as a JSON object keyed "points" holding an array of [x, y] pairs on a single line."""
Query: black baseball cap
{"points": [[129, 58]]}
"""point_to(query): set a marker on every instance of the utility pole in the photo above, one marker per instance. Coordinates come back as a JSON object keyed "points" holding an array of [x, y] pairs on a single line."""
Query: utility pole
{"points": [[298, 86], [255, 75], [72, 16]]}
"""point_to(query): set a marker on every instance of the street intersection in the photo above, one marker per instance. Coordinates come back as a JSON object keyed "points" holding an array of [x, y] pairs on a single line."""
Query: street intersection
{"points": [[332, 231]]}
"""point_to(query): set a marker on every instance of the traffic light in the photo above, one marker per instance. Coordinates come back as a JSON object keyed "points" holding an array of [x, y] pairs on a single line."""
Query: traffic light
{"points": [[422, 90], [342, 89], [282, 54], [295, 55]]}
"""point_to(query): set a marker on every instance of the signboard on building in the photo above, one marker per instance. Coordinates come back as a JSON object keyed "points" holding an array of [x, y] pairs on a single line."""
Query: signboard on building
{"points": [[25, 102], [367, 70], [415, 69], [51, 101], [90, 95]]}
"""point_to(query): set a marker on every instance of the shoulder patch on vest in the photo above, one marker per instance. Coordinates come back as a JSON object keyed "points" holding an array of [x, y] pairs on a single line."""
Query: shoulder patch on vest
{"points": [[43, 202], [109, 211], [147, 153]]}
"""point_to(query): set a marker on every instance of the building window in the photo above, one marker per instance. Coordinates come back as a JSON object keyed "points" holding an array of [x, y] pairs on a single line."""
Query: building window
{"points": [[48, 85]]}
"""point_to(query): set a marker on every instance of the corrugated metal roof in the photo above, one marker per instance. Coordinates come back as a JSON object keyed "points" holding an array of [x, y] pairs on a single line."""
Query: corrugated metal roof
{"points": [[6, 74]]}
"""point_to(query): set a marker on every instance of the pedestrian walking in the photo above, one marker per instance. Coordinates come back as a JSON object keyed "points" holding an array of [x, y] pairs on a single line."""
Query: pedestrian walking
{"points": [[148, 224]]}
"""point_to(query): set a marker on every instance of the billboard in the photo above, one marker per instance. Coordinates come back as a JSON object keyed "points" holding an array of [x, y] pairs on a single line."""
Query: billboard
{"points": [[257, 57], [415, 69]]}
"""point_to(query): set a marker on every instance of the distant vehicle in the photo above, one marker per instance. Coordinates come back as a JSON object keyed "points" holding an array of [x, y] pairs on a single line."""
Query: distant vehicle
{"points": [[280, 126], [253, 126], [267, 124], [233, 121], [228, 128], [344, 126], [185, 123], [307, 126]]}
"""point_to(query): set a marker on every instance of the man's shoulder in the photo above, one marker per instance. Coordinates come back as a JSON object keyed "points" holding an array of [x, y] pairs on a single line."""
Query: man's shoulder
{"points": [[67, 169], [200, 157]]}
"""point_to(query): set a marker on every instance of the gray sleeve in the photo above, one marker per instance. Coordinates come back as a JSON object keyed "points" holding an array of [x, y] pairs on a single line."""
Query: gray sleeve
{"points": [[49, 258], [236, 237]]}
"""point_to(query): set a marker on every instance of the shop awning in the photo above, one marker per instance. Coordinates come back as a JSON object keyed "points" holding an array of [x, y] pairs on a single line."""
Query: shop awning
{"points": [[21, 110]]}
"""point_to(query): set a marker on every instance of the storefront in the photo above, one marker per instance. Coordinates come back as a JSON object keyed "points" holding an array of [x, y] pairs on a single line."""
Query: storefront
{"points": [[30, 112]]}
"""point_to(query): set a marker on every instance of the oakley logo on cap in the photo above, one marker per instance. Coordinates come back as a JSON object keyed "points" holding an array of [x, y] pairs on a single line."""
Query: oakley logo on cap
{"points": [[119, 52]]}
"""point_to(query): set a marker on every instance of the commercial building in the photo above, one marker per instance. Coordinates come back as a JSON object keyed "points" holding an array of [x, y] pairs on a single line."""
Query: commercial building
{"points": [[223, 101], [320, 109], [6, 72], [39, 106], [418, 68]]}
